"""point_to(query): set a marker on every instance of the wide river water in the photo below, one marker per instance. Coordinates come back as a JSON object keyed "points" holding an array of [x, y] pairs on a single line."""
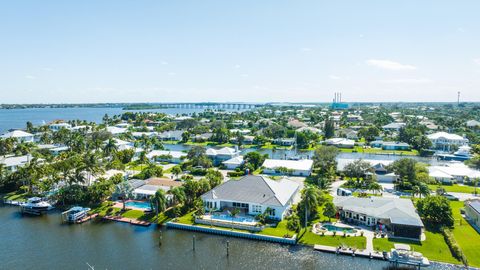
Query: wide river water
{"points": [[45, 243]]}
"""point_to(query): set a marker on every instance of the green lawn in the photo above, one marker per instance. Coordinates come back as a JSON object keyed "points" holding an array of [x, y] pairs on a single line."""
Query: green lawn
{"points": [[280, 230], [454, 188], [271, 146], [186, 219], [209, 143], [467, 237], [138, 167], [310, 238], [16, 196], [434, 247], [360, 149]]}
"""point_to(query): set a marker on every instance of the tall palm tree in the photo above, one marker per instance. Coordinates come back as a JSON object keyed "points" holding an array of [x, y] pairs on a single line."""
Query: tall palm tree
{"points": [[92, 165], [310, 198], [160, 201], [233, 214], [178, 194], [423, 190], [110, 147], [125, 190]]}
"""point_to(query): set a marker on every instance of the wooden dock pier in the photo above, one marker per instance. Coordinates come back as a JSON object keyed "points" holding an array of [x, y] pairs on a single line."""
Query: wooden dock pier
{"points": [[128, 220], [350, 252]]}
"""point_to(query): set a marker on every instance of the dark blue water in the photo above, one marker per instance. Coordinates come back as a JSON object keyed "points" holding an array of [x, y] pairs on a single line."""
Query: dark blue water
{"points": [[17, 118], [45, 243]]}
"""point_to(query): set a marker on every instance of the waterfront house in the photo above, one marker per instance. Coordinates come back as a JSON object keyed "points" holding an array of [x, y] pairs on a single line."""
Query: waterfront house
{"points": [[202, 137], [472, 213], [395, 146], [173, 135], [253, 195], [301, 167], [284, 141], [233, 163], [397, 215], [152, 185], [340, 142], [445, 141], [379, 167], [12, 163], [19, 135], [223, 154], [167, 156], [453, 172], [59, 126]]}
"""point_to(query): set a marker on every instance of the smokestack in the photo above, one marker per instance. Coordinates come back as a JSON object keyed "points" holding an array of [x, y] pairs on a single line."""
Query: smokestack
{"points": [[458, 98], [340, 97]]}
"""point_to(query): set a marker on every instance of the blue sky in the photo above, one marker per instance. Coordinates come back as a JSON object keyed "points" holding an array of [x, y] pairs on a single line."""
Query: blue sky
{"points": [[257, 51]]}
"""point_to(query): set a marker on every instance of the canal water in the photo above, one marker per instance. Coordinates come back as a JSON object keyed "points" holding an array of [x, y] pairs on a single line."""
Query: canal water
{"points": [[44, 243]]}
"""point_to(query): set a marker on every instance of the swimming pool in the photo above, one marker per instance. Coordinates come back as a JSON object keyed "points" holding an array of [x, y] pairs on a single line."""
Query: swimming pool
{"points": [[138, 204], [332, 228], [224, 217]]}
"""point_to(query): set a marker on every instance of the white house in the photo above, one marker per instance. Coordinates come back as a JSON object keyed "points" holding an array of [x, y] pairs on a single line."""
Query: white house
{"points": [[253, 195], [116, 130], [453, 172], [58, 126], [395, 126], [12, 163], [398, 216], [20, 135], [233, 163], [171, 135], [444, 141], [472, 213], [301, 167], [167, 156], [223, 154], [473, 124], [340, 142]]}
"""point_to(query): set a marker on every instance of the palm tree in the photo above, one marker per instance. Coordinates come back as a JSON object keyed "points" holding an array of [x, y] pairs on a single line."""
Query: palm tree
{"points": [[160, 201], [374, 186], [233, 214], [423, 190], [310, 200], [110, 147], [178, 194], [34, 171], [125, 190], [415, 190], [92, 165]]}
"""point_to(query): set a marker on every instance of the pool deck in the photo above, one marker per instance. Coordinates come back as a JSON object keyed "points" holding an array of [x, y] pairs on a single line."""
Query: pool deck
{"points": [[119, 204], [128, 220]]}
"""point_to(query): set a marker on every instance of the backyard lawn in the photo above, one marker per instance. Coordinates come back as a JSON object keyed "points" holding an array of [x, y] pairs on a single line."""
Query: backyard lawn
{"points": [[280, 230], [453, 188], [467, 237], [434, 247], [310, 238], [360, 149]]}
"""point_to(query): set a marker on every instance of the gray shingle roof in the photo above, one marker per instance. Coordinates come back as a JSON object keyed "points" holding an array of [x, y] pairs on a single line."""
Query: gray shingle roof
{"points": [[255, 189], [399, 211]]}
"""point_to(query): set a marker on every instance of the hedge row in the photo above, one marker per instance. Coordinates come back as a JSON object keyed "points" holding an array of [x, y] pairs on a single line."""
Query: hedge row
{"points": [[453, 245]]}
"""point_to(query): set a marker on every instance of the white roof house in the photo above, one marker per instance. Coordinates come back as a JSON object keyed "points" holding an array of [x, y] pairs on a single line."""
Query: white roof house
{"points": [[453, 171], [58, 126], [220, 155], [443, 140], [253, 194], [20, 135], [233, 163], [340, 142], [395, 126], [398, 214], [473, 123], [298, 167], [12, 163], [116, 130], [176, 156]]}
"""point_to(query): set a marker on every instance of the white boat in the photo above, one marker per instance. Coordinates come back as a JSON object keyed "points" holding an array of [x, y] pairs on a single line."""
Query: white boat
{"points": [[75, 214], [35, 205], [402, 254]]}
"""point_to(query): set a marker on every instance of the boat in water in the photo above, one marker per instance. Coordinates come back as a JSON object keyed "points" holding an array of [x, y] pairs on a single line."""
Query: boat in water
{"points": [[402, 254], [75, 214], [35, 206], [462, 154]]}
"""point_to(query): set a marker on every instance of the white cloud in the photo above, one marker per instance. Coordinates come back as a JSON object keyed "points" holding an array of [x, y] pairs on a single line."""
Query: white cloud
{"points": [[390, 65], [477, 61], [305, 49], [236, 66], [334, 77], [30, 77], [409, 81]]}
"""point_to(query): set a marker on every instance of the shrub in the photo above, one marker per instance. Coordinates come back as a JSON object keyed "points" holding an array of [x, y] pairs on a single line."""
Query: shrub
{"points": [[453, 245], [236, 174]]}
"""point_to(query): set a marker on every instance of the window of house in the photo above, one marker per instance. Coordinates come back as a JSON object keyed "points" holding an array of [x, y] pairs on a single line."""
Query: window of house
{"points": [[257, 209]]}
